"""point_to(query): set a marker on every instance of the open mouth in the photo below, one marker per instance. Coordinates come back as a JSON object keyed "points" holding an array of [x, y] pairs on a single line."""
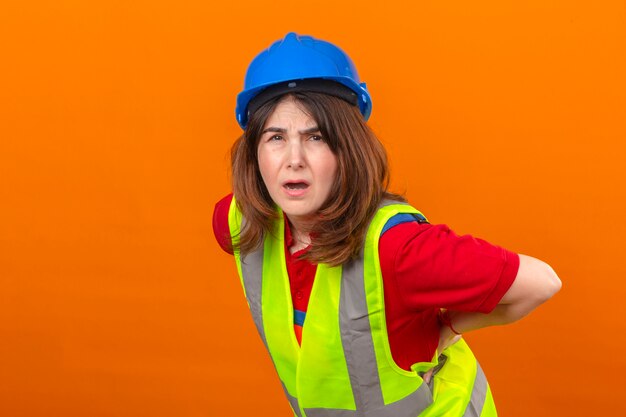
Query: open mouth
{"points": [[296, 185]]}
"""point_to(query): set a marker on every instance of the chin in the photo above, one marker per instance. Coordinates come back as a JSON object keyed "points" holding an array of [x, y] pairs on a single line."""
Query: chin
{"points": [[297, 212]]}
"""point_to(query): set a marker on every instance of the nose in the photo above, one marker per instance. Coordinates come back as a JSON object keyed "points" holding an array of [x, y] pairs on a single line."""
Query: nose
{"points": [[295, 157]]}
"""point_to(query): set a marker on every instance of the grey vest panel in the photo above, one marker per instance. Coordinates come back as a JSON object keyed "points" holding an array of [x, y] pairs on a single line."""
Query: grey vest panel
{"points": [[479, 393], [410, 406], [293, 401], [356, 338], [252, 271], [358, 346]]}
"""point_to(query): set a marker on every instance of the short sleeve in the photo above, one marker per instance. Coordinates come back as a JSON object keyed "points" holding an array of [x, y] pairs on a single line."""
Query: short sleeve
{"points": [[220, 223], [433, 267]]}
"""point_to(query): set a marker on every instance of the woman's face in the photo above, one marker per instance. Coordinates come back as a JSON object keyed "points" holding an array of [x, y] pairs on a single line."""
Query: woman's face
{"points": [[297, 166]]}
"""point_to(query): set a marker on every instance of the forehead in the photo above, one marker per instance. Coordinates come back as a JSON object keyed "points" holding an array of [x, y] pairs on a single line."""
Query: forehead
{"points": [[290, 112]]}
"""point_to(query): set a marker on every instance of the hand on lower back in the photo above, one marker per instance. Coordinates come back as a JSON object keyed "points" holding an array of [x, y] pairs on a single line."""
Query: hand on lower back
{"points": [[446, 338]]}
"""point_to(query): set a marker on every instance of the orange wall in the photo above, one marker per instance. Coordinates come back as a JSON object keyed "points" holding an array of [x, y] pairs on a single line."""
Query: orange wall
{"points": [[502, 119]]}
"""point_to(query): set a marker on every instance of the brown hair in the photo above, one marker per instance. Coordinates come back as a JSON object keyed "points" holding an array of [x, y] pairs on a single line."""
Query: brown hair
{"points": [[362, 179]]}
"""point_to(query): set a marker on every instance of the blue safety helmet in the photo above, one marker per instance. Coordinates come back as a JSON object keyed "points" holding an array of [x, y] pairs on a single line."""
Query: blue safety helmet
{"points": [[298, 63]]}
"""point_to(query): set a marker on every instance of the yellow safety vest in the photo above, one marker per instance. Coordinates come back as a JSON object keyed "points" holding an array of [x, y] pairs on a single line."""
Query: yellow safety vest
{"points": [[344, 367]]}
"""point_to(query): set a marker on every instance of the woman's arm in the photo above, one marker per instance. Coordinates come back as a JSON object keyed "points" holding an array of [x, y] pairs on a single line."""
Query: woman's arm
{"points": [[535, 283]]}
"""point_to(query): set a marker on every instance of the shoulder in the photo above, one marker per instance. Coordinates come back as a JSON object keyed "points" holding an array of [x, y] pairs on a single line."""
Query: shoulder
{"points": [[404, 233], [220, 223], [454, 271], [401, 233]]}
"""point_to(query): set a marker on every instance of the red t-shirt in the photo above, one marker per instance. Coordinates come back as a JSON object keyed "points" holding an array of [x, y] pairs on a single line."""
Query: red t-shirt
{"points": [[424, 267]]}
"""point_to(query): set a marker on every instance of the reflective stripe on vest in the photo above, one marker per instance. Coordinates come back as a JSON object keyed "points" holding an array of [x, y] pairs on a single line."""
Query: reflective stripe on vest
{"points": [[344, 368]]}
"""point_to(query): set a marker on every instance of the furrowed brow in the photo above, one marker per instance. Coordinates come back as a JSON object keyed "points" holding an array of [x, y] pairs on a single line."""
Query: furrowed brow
{"points": [[313, 129], [274, 129]]}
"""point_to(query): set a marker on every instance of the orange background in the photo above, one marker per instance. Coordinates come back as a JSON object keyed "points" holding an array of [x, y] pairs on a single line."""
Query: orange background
{"points": [[506, 121]]}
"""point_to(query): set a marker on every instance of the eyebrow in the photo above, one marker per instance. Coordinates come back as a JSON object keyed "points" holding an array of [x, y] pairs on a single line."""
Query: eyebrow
{"points": [[313, 129]]}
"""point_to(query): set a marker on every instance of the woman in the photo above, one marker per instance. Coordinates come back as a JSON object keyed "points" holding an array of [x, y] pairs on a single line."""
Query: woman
{"points": [[318, 238]]}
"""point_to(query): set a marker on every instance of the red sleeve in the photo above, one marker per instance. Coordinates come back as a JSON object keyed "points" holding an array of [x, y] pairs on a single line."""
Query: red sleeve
{"points": [[432, 267], [220, 223]]}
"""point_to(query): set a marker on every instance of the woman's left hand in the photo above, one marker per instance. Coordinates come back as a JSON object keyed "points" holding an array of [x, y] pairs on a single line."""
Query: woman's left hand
{"points": [[446, 338]]}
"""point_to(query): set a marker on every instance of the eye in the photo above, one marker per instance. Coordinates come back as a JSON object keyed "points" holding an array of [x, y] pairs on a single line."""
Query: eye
{"points": [[275, 137], [316, 138]]}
